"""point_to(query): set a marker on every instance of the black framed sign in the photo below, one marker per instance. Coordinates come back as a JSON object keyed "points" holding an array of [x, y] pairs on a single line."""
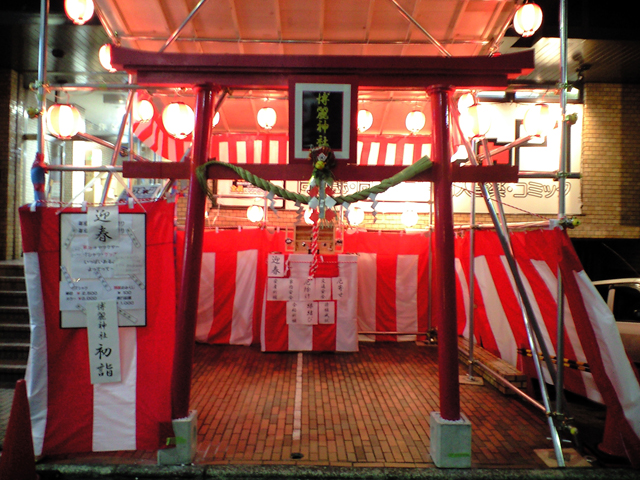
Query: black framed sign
{"points": [[322, 114]]}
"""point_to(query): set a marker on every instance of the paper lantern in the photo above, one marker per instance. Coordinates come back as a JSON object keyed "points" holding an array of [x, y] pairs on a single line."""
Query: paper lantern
{"points": [[476, 120], [415, 121], [143, 109], [255, 213], [365, 120], [538, 120], [267, 118], [409, 218], [178, 119], [527, 19], [355, 216], [63, 121], [79, 11], [104, 54]]}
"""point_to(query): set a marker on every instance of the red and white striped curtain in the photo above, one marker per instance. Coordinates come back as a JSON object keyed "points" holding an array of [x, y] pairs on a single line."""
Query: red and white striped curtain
{"points": [[68, 413], [265, 148]]}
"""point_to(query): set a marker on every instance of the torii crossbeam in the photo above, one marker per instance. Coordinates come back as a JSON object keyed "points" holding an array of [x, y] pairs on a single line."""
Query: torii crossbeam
{"points": [[437, 76]]}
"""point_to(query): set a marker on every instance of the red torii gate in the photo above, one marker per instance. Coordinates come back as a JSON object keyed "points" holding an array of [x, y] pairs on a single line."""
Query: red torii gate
{"points": [[208, 74]]}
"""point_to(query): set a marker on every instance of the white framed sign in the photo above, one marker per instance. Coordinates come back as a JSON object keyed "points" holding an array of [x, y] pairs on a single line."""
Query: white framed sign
{"points": [[102, 261]]}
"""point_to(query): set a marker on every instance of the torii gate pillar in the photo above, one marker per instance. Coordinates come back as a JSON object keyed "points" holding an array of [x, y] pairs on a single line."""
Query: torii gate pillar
{"points": [[450, 434]]}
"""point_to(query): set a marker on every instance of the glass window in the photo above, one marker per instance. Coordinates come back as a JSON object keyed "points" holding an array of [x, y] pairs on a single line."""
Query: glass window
{"points": [[626, 304]]}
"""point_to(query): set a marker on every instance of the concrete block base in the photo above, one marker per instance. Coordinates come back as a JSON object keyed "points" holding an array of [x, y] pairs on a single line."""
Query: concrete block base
{"points": [[186, 440], [450, 442]]}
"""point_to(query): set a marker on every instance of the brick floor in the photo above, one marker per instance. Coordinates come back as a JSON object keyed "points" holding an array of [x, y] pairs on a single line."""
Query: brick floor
{"points": [[359, 409]]}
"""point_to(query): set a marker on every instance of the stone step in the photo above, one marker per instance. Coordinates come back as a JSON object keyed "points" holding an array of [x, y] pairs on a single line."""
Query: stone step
{"points": [[11, 269], [14, 314], [11, 298], [10, 332], [14, 350], [12, 283]]}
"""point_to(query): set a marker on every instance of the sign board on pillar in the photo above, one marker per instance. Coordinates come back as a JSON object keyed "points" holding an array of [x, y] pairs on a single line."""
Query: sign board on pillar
{"points": [[322, 113]]}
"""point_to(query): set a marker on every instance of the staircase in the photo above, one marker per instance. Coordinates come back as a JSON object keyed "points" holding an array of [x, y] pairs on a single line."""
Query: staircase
{"points": [[14, 322]]}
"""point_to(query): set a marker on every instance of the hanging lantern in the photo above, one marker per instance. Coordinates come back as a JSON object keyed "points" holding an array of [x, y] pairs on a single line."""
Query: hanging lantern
{"points": [[476, 121], [365, 120], [104, 54], [527, 19], [178, 119], [415, 121], [267, 118], [255, 213], [538, 120], [143, 109], [63, 121], [79, 11], [409, 218], [465, 101], [355, 216], [216, 119]]}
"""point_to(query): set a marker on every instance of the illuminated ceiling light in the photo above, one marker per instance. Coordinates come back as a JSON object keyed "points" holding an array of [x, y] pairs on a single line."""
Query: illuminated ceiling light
{"points": [[255, 213], [415, 121], [527, 19], [476, 121], [538, 121], [178, 119], [143, 110], [355, 216], [409, 218], [64, 121], [104, 54], [267, 118], [79, 11], [365, 120], [216, 119]]}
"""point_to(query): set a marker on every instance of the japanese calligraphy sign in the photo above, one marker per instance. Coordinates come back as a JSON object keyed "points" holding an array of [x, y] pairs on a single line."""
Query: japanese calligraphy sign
{"points": [[302, 313], [102, 258], [323, 116], [276, 265], [104, 341], [103, 228]]}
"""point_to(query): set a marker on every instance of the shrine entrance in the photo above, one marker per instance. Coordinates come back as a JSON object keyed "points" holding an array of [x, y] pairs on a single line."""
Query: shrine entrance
{"points": [[331, 132]]}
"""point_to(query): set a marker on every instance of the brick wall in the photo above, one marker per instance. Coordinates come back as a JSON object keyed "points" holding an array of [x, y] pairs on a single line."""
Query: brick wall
{"points": [[11, 178], [610, 162]]}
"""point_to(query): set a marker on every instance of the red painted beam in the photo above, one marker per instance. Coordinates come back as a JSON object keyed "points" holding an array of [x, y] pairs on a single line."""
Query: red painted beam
{"points": [[179, 69], [300, 172]]}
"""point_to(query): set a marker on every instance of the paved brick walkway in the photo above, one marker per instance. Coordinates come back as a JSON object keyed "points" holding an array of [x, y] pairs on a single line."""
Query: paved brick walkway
{"points": [[366, 409]]}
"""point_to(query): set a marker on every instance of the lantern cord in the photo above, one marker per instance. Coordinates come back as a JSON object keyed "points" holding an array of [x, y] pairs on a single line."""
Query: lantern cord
{"points": [[404, 175]]}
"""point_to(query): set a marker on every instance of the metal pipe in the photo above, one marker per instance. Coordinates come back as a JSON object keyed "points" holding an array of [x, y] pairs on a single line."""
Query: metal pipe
{"points": [[150, 38], [85, 168], [408, 16], [444, 265], [564, 154], [512, 387], [531, 327], [118, 145], [104, 143], [175, 34], [472, 254], [42, 70], [111, 33]]}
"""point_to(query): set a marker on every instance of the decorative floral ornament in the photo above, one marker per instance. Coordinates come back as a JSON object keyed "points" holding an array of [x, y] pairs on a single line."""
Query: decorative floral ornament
{"points": [[321, 194]]}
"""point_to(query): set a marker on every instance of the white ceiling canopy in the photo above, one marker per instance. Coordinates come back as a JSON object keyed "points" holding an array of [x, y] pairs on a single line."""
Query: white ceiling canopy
{"points": [[310, 27]]}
